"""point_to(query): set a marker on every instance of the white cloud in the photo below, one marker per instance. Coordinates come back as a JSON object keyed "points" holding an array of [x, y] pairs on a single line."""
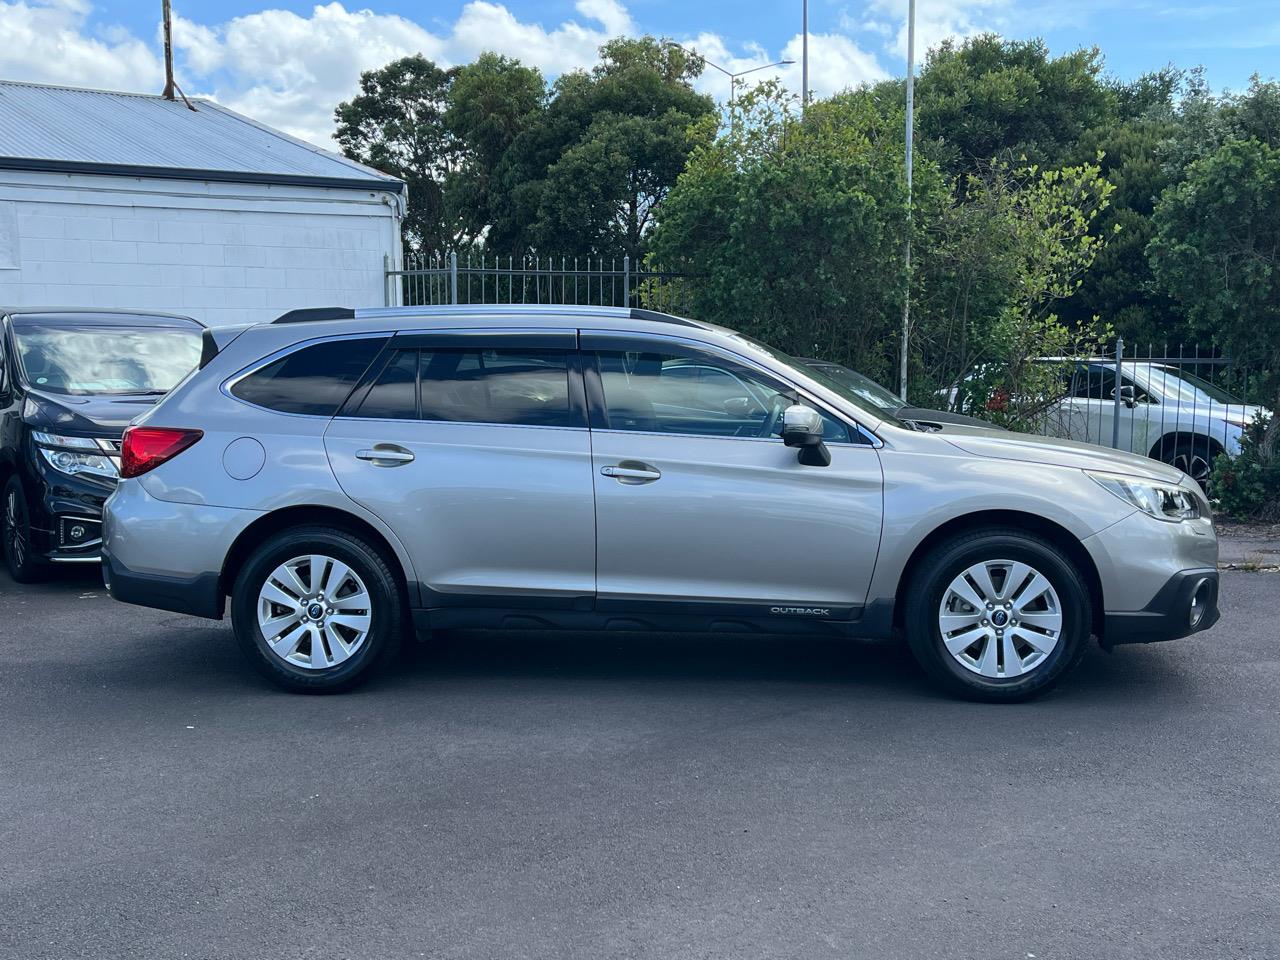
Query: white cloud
{"points": [[48, 42], [835, 63], [936, 20], [289, 70]]}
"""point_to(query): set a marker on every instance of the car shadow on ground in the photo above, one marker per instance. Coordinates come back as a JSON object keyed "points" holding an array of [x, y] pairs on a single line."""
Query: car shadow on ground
{"points": [[145, 648]]}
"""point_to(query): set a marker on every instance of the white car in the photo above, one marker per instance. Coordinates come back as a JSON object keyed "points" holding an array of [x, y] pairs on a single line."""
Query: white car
{"points": [[1165, 413]]}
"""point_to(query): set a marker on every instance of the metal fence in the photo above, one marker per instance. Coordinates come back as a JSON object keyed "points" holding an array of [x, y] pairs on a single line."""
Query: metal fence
{"points": [[468, 279], [1184, 406]]}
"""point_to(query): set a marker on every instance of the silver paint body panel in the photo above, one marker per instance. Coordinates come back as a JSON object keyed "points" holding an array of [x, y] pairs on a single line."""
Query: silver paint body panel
{"points": [[524, 513]]}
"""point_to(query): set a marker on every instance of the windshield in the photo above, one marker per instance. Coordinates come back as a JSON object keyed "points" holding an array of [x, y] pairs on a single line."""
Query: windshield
{"points": [[79, 359], [1182, 386], [864, 387], [822, 376]]}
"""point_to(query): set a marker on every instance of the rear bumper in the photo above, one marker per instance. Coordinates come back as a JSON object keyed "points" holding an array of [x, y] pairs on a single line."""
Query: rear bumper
{"points": [[168, 555], [1186, 604], [200, 596]]}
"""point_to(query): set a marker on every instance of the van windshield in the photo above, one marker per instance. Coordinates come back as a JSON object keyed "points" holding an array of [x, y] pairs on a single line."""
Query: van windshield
{"points": [[81, 359]]}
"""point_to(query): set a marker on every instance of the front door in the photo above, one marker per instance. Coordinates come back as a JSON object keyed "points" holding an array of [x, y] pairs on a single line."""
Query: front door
{"points": [[474, 448], [700, 506]]}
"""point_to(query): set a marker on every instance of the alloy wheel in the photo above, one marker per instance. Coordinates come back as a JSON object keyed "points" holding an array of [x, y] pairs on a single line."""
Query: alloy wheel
{"points": [[314, 612], [1000, 618], [1193, 465], [15, 529]]}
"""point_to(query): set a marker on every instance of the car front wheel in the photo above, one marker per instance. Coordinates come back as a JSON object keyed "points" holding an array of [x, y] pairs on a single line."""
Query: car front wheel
{"points": [[317, 609], [15, 530], [998, 616]]}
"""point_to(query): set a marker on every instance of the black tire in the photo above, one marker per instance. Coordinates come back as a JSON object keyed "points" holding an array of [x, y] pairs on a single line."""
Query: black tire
{"points": [[15, 531], [947, 561], [386, 608]]}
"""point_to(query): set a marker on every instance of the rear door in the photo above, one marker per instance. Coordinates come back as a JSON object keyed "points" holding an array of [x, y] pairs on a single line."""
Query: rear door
{"points": [[473, 446]]}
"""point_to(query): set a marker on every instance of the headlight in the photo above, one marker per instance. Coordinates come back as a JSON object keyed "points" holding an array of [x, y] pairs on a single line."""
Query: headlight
{"points": [[1159, 500], [71, 455]]}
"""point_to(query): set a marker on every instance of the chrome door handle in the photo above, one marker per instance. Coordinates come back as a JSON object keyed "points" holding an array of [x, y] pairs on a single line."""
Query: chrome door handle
{"points": [[386, 455], [631, 471]]}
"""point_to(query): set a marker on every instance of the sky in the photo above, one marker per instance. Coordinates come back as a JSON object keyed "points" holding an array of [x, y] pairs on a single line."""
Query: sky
{"points": [[287, 63]]}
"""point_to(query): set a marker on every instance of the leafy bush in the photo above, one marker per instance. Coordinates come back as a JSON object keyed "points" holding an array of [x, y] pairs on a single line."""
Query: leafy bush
{"points": [[1247, 486]]}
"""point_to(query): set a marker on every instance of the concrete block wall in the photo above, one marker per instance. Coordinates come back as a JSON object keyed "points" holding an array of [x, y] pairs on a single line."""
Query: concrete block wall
{"points": [[222, 253]]}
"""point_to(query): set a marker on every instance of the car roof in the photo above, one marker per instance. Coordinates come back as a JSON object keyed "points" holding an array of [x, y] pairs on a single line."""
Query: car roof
{"points": [[87, 314]]}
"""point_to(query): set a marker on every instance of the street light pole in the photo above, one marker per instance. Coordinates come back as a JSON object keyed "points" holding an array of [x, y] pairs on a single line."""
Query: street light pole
{"points": [[911, 129], [733, 77], [804, 58]]}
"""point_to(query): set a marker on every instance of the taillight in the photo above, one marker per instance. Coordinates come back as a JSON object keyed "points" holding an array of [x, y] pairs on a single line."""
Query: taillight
{"points": [[145, 448]]}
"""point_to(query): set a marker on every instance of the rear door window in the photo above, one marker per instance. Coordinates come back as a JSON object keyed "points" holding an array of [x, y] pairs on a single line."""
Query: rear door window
{"points": [[516, 386], [314, 380]]}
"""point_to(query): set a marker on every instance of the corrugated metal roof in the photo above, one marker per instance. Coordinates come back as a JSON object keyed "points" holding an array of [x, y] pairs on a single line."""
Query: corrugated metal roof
{"points": [[62, 128]]}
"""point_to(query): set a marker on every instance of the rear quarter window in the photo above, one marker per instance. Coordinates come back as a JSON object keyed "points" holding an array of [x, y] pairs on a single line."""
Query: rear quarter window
{"points": [[314, 380]]}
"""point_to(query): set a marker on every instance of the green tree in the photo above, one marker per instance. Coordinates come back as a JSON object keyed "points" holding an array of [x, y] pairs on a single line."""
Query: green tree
{"points": [[589, 176], [396, 125], [1216, 250], [491, 102], [988, 98], [1120, 287], [795, 230]]}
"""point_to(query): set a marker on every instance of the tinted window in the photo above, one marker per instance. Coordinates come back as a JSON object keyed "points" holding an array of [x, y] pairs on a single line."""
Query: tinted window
{"points": [[314, 380], [394, 395], [695, 395], [528, 387]]}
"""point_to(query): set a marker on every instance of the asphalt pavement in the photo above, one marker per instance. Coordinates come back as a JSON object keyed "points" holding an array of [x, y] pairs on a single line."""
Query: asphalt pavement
{"points": [[580, 796]]}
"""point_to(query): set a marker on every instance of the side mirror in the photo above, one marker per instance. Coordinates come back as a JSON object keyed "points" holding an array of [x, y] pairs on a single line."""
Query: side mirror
{"points": [[1127, 396], [802, 428]]}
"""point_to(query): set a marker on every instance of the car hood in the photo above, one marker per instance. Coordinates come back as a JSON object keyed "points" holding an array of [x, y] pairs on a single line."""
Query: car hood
{"points": [[1031, 448], [100, 416], [943, 417]]}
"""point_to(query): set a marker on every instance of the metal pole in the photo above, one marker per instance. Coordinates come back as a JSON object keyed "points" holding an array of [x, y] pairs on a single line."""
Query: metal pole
{"points": [[453, 274], [1115, 422], [911, 127], [626, 280], [388, 279], [168, 50], [804, 58]]}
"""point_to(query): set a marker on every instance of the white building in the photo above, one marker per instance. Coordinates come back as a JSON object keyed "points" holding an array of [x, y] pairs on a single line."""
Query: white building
{"points": [[122, 200]]}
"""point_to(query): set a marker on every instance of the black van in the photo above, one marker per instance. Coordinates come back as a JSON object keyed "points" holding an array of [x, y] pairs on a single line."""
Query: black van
{"points": [[70, 382]]}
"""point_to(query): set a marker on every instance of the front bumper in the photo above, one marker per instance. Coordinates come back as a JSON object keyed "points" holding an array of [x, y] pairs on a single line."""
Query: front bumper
{"points": [[1186, 604]]}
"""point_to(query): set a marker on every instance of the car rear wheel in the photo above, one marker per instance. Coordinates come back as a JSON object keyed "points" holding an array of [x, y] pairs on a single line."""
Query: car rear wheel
{"points": [[998, 616], [15, 530], [317, 609]]}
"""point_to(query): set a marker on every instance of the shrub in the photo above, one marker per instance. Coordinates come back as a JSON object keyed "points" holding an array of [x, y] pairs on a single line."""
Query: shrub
{"points": [[1247, 485]]}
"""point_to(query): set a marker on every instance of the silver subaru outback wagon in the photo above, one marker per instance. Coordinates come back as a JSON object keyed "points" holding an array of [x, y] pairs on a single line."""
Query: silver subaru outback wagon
{"points": [[342, 477]]}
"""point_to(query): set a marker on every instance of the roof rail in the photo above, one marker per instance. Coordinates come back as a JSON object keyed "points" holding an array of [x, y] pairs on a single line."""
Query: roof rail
{"points": [[316, 313], [347, 313]]}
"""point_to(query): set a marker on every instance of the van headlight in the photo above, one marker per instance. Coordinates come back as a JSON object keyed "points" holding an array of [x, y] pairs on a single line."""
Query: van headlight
{"points": [[1159, 500], [75, 455]]}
